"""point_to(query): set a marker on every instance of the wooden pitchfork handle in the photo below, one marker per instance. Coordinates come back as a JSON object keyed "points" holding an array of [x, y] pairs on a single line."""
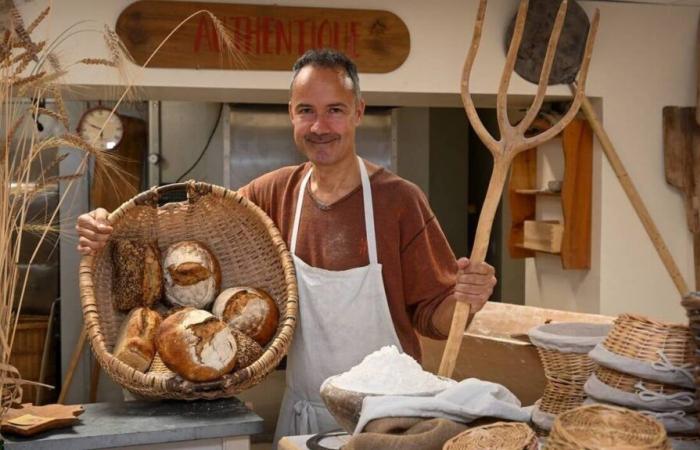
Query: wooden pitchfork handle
{"points": [[512, 140], [634, 197]]}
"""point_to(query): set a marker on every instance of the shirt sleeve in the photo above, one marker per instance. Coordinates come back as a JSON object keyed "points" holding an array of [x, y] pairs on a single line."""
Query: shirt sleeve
{"points": [[429, 270]]}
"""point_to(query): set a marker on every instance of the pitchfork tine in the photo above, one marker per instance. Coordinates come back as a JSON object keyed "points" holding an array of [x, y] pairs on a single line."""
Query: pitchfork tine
{"points": [[546, 70], [546, 135], [469, 107], [502, 97]]}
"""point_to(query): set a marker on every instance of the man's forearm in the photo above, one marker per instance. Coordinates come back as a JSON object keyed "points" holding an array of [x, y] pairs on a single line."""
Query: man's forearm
{"points": [[442, 317]]}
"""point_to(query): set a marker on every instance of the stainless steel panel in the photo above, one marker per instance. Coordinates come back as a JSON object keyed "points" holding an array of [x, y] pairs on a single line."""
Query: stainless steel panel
{"points": [[261, 140]]}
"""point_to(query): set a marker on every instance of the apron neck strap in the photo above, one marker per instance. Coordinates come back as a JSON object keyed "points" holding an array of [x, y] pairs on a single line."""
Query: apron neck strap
{"points": [[368, 210]]}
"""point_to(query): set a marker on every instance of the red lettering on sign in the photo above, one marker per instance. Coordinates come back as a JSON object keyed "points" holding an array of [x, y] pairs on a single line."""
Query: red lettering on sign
{"points": [[266, 35], [283, 36]]}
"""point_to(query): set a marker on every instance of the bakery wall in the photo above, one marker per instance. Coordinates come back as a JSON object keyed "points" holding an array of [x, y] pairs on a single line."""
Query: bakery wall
{"points": [[644, 59]]}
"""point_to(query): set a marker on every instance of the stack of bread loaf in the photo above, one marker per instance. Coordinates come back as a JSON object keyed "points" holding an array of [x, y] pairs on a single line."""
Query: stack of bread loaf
{"points": [[178, 310]]}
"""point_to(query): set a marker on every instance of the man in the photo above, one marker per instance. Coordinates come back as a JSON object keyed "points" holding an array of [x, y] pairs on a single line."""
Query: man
{"points": [[371, 260]]}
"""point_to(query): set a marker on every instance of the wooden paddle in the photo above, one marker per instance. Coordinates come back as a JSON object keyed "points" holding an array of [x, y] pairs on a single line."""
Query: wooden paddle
{"points": [[682, 167], [512, 140]]}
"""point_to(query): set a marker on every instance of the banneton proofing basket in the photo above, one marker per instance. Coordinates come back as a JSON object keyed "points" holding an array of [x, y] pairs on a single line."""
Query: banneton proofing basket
{"points": [[495, 436], [563, 349], [250, 250], [598, 427], [649, 349]]}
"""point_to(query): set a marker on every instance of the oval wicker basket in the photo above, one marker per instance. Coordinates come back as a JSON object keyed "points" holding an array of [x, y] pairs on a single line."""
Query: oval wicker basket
{"points": [[250, 250], [597, 427], [495, 436]]}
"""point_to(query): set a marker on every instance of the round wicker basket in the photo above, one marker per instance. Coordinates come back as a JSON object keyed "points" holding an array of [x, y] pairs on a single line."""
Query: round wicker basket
{"points": [[638, 338], [598, 427], [250, 251], [563, 349], [495, 436]]}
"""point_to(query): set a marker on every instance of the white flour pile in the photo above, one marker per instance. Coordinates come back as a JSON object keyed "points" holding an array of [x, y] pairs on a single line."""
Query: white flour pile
{"points": [[389, 372]]}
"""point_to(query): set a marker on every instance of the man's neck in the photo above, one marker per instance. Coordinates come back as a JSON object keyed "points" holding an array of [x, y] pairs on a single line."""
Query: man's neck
{"points": [[331, 183]]}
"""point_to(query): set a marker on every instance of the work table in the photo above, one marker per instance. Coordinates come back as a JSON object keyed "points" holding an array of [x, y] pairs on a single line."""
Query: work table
{"points": [[224, 423]]}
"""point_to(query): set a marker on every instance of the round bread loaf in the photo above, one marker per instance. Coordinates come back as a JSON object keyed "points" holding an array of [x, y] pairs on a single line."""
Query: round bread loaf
{"points": [[138, 278], [192, 274], [196, 345], [249, 310], [248, 350], [136, 342]]}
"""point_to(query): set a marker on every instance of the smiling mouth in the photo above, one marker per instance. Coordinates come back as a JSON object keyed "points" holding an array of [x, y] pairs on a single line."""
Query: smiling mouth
{"points": [[321, 139]]}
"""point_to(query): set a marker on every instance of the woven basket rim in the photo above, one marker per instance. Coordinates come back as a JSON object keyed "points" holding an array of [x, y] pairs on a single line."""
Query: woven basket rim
{"points": [[650, 321], [559, 426], [501, 428], [274, 351]]}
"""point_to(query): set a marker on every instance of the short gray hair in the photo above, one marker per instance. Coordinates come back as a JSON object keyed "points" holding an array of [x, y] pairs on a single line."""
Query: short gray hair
{"points": [[330, 59]]}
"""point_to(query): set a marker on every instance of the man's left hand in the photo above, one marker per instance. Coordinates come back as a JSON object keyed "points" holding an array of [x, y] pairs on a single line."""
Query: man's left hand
{"points": [[475, 282]]}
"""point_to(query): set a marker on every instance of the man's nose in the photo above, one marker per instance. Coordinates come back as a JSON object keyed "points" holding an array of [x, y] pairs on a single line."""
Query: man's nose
{"points": [[320, 125]]}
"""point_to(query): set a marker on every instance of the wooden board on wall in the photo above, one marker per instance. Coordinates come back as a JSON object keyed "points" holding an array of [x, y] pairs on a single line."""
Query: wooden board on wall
{"points": [[269, 37]]}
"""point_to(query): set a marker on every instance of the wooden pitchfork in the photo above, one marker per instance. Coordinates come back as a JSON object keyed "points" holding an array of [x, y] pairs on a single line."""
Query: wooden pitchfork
{"points": [[512, 140]]}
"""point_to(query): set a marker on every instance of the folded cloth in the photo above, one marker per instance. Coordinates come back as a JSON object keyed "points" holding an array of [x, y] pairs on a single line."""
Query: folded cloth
{"points": [[464, 402], [405, 433]]}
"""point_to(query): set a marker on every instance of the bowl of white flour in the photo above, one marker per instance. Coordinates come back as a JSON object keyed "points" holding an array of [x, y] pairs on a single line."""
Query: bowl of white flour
{"points": [[384, 372]]}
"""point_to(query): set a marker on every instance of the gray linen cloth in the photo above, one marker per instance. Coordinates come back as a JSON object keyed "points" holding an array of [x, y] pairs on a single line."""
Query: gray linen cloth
{"points": [[464, 402]]}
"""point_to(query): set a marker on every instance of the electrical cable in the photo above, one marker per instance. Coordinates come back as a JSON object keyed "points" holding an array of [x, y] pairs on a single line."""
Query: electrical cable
{"points": [[206, 146]]}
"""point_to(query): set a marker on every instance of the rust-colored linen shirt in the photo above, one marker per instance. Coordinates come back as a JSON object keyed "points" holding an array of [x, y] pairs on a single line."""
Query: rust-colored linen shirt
{"points": [[418, 266]]}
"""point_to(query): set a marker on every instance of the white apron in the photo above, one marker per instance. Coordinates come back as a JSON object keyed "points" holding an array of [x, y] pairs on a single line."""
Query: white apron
{"points": [[343, 316]]}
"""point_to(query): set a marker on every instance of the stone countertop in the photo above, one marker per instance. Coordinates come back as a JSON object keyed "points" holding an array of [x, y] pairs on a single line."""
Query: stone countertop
{"points": [[105, 425]]}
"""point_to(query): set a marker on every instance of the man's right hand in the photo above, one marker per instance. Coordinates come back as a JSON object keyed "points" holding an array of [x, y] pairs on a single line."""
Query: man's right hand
{"points": [[93, 231]]}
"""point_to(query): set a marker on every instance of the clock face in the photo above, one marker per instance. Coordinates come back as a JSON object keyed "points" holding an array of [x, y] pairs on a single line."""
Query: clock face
{"points": [[98, 130]]}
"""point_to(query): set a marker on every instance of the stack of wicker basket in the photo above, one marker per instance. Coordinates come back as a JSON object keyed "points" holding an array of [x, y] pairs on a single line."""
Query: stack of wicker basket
{"points": [[250, 251], [646, 365], [563, 350]]}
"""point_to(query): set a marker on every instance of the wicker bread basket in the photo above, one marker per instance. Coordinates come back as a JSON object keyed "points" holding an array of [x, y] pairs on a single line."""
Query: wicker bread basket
{"points": [[563, 349], [612, 386], [598, 427], [495, 436], [650, 349], [250, 251]]}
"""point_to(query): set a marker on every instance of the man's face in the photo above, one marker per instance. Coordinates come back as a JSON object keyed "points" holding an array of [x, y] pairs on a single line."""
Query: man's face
{"points": [[324, 114]]}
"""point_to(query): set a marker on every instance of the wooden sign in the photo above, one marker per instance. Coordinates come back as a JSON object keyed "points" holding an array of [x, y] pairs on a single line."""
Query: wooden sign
{"points": [[268, 37]]}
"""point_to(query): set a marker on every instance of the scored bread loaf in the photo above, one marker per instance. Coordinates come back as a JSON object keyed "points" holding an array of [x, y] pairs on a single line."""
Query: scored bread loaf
{"points": [[138, 278], [136, 342], [196, 345], [248, 350], [192, 274], [249, 310]]}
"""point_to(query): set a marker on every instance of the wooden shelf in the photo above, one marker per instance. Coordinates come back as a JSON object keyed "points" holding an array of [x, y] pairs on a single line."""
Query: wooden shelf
{"points": [[575, 196], [530, 249], [537, 192]]}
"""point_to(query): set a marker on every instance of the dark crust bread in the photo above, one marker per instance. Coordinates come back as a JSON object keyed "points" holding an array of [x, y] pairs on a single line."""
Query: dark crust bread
{"points": [[138, 278], [242, 312], [174, 349], [136, 345], [248, 350]]}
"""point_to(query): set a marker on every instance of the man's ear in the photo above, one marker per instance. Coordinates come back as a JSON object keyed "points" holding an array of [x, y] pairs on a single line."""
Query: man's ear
{"points": [[359, 111], [289, 109]]}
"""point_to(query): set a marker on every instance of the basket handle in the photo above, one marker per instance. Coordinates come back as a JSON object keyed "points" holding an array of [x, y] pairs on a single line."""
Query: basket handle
{"points": [[194, 190]]}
